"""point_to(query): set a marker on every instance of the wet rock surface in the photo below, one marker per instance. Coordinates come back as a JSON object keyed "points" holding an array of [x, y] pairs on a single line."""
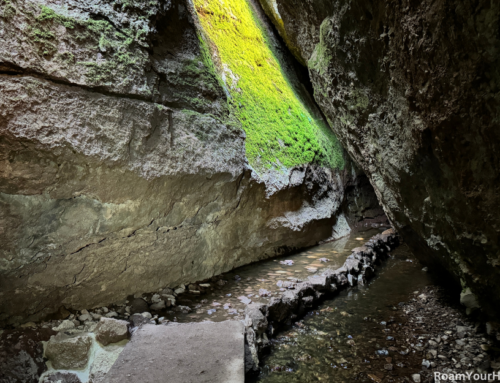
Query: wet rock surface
{"points": [[262, 321], [410, 88], [21, 354]]}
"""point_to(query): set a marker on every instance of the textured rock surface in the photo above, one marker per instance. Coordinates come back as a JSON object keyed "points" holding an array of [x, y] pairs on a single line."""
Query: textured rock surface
{"points": [[67, 352], [111, 330], [21, 355], [122, 168], [61, 377], [189, 352], [411, 89]]}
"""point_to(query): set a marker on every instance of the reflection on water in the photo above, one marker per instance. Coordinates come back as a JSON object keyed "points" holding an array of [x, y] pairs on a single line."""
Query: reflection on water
{"points": [[339, 341], [223, 302]]}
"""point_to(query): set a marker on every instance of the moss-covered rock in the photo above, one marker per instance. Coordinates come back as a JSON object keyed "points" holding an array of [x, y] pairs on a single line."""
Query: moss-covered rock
{"points": [[281, 130], [411, 90]]}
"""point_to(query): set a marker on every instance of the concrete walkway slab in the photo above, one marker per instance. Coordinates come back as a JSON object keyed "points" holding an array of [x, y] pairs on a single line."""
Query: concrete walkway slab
{"points": [[204, 352]]}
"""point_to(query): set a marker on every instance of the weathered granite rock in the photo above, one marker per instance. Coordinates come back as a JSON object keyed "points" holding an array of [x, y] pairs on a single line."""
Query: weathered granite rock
{"points": [[411, 90], [110, 330], [68, 352]]}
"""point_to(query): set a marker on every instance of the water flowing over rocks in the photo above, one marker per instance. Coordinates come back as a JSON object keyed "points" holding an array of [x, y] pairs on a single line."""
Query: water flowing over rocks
{"points": [[263, 320], [410, 88]]}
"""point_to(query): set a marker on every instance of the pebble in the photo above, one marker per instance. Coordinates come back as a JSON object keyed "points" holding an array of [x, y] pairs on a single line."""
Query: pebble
{"points": [[243, 299]]}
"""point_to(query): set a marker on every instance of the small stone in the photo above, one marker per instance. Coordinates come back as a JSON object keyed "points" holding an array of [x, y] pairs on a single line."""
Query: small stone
{"points": [[163, 320], [221, 282], [155, 298], [158, 306], [288, 262], [264, 293], [167, 291], [431, 354], [138, 305], [388, 367], [205, 285], [85, 317], [180, 290], [65, 325], [416, 378], [183, 309], [111, 331], [29, 324], [245, 300], [111, 314], [60, 377]]}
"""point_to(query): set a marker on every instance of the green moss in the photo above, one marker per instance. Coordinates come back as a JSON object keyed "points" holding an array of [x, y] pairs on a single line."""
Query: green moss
{"points": [[119, 60], [322, 56], [281, 131], [9, 11]]}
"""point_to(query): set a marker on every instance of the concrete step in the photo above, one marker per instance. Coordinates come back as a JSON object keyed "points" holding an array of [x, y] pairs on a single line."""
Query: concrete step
{"points": [[205, 352]]}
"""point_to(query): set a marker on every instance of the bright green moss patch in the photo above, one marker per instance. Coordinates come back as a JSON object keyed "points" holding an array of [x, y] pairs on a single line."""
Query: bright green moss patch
{"points": [[281, 131]]}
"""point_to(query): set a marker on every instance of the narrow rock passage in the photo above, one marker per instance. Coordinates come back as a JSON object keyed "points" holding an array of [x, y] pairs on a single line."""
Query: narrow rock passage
{"points": [[226, 296]]}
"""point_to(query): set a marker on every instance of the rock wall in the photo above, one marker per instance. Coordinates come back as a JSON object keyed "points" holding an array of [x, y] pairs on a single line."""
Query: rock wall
{"points": [[123, 168], [411, 90]]}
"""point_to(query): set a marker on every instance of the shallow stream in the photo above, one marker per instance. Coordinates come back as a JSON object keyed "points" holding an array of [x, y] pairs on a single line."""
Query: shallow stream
{"points": [[228, 300], [350, 338]]}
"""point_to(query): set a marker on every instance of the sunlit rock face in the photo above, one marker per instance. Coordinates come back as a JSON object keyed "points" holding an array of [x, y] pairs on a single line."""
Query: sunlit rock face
{"points": [[411, 89], [124, 166]]}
